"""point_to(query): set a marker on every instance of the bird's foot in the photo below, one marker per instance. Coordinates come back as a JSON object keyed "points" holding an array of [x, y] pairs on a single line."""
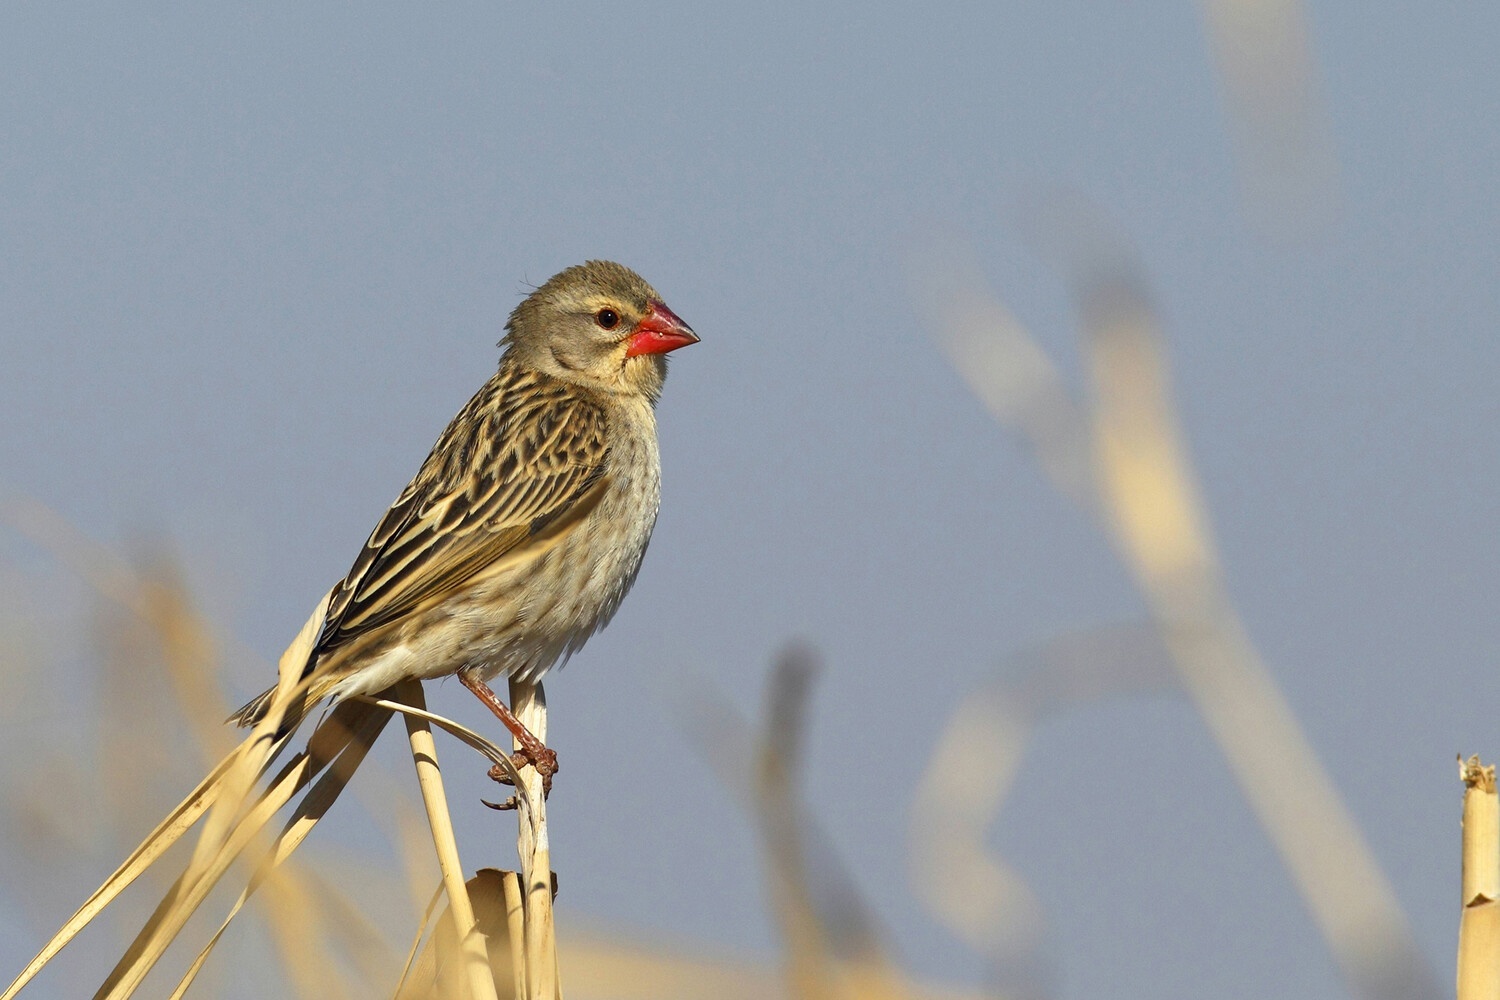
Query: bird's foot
{"points": [[532, 751], [540, 757]]}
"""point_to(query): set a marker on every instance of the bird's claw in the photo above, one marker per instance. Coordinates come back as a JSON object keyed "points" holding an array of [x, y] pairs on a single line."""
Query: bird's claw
{"points": [[543, 759]]}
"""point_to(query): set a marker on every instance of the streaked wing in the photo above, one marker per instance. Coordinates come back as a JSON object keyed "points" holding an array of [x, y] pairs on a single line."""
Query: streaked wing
{"points": [[525, 458]]}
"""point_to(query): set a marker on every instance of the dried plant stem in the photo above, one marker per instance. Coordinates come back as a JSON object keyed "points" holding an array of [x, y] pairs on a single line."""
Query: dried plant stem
{"points": [[529, 703], [1479, 922], [515, 922], [424, 754], [1143, 487], [1152, 504]]}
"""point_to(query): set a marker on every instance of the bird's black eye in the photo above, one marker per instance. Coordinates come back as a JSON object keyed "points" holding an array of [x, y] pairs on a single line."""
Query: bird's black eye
{"points": [[607, 318]]}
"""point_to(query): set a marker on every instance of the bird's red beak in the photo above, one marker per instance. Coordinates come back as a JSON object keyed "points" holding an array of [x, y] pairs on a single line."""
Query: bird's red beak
{"points": [[658, 332]]}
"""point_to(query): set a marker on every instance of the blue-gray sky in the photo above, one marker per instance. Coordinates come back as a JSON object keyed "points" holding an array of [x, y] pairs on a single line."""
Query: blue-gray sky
{"points": [[253, 257]]}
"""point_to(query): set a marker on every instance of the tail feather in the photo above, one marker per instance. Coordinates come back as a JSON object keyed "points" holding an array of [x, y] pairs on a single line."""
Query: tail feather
{"points": [[301, 702], [252, 711]]}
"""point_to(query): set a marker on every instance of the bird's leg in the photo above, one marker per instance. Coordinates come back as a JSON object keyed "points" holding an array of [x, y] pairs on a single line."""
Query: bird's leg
{"points": [[533, 751]]}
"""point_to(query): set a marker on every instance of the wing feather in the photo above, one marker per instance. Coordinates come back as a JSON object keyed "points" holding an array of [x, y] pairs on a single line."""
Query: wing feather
{"points": [[527, 457]]}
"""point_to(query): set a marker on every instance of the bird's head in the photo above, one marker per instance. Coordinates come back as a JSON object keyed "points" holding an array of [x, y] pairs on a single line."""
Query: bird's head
{"points": [[598, 325]]}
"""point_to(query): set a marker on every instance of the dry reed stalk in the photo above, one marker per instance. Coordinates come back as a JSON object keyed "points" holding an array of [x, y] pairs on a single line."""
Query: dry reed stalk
{"points": [[529, 703], [834, 952], [237, 817], [1146, 496], [1479, 921], [834, 948], [1151, 499], [235, 822], [811, 968], [296, 921], [167, 833], [515, 927], [481, 983], [956, 872], [348, 733], [1287, 169]]}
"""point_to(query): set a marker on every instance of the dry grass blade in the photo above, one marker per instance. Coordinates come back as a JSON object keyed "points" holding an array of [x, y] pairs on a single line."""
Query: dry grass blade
{"points": [[155, 595], [157, 599], [803, 933], [456, 729], [228, 816], [157, 843], [1479, 921], [408, 966], [299, 928], [1003, 365], [597, 969], [350, 721], [177, 637], [1161, 529], [226, 831], [306, 935], [302, 947], [531, 817], [351, 925], [190, 656], [515, 922], [312, 808]]}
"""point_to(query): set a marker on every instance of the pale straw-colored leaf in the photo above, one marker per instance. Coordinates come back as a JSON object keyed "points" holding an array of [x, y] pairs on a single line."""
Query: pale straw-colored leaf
{"points": [[312, 808], [490, 750], [515, 926], [350, 926], [350, 721], [178, 822], [435, 975]]}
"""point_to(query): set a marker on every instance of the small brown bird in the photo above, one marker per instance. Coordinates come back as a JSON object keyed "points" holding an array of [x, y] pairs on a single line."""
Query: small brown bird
{"points": [[526, 525]]}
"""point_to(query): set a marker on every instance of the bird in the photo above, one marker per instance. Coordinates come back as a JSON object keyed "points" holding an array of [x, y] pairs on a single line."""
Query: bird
{"points": [[526, 525]]}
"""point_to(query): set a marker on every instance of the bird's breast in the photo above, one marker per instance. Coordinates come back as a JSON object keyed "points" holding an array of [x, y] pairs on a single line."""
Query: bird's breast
{"points": [[575, 587]]}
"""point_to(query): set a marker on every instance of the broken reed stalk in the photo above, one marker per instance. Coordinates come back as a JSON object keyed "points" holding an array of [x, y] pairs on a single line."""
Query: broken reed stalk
{"points": [[529, 703], [1479, 921], [429, 777]]}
